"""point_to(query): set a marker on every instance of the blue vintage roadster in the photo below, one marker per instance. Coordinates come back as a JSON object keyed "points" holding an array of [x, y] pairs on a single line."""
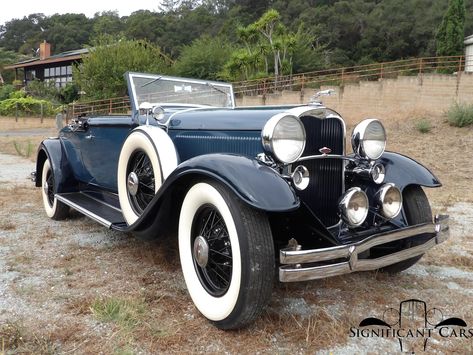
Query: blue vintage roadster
{"points": [[240, 186]]}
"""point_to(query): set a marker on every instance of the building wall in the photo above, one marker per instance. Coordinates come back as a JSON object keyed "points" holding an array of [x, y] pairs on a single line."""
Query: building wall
{"points": [[417, 95]]}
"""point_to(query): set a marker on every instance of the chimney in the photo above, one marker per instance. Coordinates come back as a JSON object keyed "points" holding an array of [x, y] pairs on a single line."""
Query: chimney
{"points": [[44, 50]]}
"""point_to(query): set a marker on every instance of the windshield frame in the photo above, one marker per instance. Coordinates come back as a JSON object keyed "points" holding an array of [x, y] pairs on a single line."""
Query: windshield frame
{"points": [[216, 85]]}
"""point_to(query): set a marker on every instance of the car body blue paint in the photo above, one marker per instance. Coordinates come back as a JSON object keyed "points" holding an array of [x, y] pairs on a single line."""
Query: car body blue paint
{"points": [[403, 171], [64, 179]]}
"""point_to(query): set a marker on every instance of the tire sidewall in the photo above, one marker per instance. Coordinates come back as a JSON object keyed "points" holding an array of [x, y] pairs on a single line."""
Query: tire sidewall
{"points": [[214, 308], [135, 141], [50, 210]]}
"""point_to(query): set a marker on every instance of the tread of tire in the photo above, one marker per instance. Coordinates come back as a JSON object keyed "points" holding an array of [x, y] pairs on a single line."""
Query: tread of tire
{"points": [[255, 295], [417, 210]]}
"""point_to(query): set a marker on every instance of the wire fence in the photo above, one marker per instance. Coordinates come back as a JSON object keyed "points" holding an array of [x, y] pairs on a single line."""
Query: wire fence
{"points": [[314, 79]]}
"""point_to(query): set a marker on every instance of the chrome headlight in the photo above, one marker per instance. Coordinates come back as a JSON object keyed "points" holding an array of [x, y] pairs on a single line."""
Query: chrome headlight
{"points": [[389, 198], [353, 207], [369, 139], [283, 137]]}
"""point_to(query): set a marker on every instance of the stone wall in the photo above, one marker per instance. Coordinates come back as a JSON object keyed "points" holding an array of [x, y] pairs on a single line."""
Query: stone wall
{"points": [[428, 94]]}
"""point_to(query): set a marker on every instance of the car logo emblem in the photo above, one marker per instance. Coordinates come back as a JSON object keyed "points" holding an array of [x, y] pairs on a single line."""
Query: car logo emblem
{"points": [[325, 150]]}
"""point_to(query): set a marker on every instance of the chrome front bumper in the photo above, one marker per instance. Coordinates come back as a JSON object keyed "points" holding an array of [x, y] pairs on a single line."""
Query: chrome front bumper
{"points": [[294, 261]]}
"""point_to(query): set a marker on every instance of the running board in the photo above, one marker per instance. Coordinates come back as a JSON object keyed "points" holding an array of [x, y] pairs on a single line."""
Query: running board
{"points": [[93, 208]]}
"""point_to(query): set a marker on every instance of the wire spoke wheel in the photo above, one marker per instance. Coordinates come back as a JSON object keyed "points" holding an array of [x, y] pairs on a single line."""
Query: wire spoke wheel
{"points": [[141, 181], [212, 251], [49, 188], [54, 208], [227, 255]]}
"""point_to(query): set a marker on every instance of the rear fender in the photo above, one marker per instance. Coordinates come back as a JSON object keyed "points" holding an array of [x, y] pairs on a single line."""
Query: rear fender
{"points": [[64, 180]]}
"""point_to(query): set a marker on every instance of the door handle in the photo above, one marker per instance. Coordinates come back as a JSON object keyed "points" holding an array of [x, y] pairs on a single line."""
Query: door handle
{"points": [[90, 136]]}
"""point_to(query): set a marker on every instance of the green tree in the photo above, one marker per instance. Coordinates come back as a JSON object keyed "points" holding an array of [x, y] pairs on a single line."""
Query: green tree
{"points": [[9, 57], [204, 58], [107, 23], [101, 74], [66, 32], [20, 35], [451, 32]]}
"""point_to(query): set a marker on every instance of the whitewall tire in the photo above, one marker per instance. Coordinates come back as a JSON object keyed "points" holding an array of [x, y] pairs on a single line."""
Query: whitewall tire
{"points": [[54, 209], [227, 255], [139, 174]]}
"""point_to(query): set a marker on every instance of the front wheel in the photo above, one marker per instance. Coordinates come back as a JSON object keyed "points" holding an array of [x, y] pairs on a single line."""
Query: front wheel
{"points": [[139, 175], [227, 255], [417, 210]]}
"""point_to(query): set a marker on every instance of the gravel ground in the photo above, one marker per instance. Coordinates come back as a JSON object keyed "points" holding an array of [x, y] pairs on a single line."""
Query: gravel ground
{"points": [[53, 275]]}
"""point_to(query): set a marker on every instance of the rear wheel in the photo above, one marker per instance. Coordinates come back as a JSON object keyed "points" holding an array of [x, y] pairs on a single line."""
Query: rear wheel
{"points": [[417, 210], [54, 209], [227, 255]]}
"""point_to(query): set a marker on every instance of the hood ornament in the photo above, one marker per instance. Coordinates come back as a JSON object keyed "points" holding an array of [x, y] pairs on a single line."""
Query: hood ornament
{"points": [[325, 150]]}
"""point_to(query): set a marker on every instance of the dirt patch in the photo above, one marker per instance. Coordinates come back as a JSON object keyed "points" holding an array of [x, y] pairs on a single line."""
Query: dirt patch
{"points": [[75, 287]]}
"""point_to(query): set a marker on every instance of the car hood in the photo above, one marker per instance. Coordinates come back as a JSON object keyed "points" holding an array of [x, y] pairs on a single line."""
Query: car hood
{"points": [[240, 119]]}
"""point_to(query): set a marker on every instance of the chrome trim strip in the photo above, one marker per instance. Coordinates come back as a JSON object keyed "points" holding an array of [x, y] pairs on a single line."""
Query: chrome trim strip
{"points": [[292, 270], [82, 210]]}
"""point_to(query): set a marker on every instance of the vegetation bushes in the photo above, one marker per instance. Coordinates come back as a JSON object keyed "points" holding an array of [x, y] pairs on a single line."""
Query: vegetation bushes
{"points": [[460, 115], [19, 103], [101, 73], [5, 91], [423, 126]]}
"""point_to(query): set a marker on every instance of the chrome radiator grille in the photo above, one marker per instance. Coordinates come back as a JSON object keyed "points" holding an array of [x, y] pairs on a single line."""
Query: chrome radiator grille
{"points": [[326, 175]]}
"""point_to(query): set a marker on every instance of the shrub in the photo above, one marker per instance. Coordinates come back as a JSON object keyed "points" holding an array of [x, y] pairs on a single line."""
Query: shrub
{"points": [[25, 106], [423, 126], [5, 91], [460, 115], [43, 90]]}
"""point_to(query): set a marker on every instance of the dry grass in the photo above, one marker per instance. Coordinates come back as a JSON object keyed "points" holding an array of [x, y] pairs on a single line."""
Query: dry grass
{"points": [[10, 124], [13, 144]]}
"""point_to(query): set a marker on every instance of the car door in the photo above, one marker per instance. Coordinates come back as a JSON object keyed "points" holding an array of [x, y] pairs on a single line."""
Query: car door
{"points": [[100, 145]]}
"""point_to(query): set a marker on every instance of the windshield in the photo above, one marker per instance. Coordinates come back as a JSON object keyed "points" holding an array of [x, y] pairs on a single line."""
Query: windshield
{"points": [[160, 89]]}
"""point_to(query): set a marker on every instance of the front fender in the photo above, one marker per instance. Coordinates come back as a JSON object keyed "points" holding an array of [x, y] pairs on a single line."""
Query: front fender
{"points": [[404, 171], [253, 182], [64, 180]]}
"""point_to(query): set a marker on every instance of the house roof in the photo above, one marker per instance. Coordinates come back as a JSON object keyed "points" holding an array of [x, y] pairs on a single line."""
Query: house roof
{"points": [[57, 58]]}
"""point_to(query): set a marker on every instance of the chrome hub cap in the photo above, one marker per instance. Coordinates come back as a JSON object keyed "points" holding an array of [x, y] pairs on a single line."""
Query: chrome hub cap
{"points": [[132, 183], [201, 251]]}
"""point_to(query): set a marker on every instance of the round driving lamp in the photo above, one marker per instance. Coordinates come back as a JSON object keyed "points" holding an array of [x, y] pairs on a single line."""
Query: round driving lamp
{"points": [[369, 139], [353, 207], [389, 199], [283, 137], [378, 173], [300, 177]]}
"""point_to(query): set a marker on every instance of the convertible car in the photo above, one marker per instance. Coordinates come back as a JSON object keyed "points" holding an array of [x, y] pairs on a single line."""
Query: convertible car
{"points": [[251, 193]]}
